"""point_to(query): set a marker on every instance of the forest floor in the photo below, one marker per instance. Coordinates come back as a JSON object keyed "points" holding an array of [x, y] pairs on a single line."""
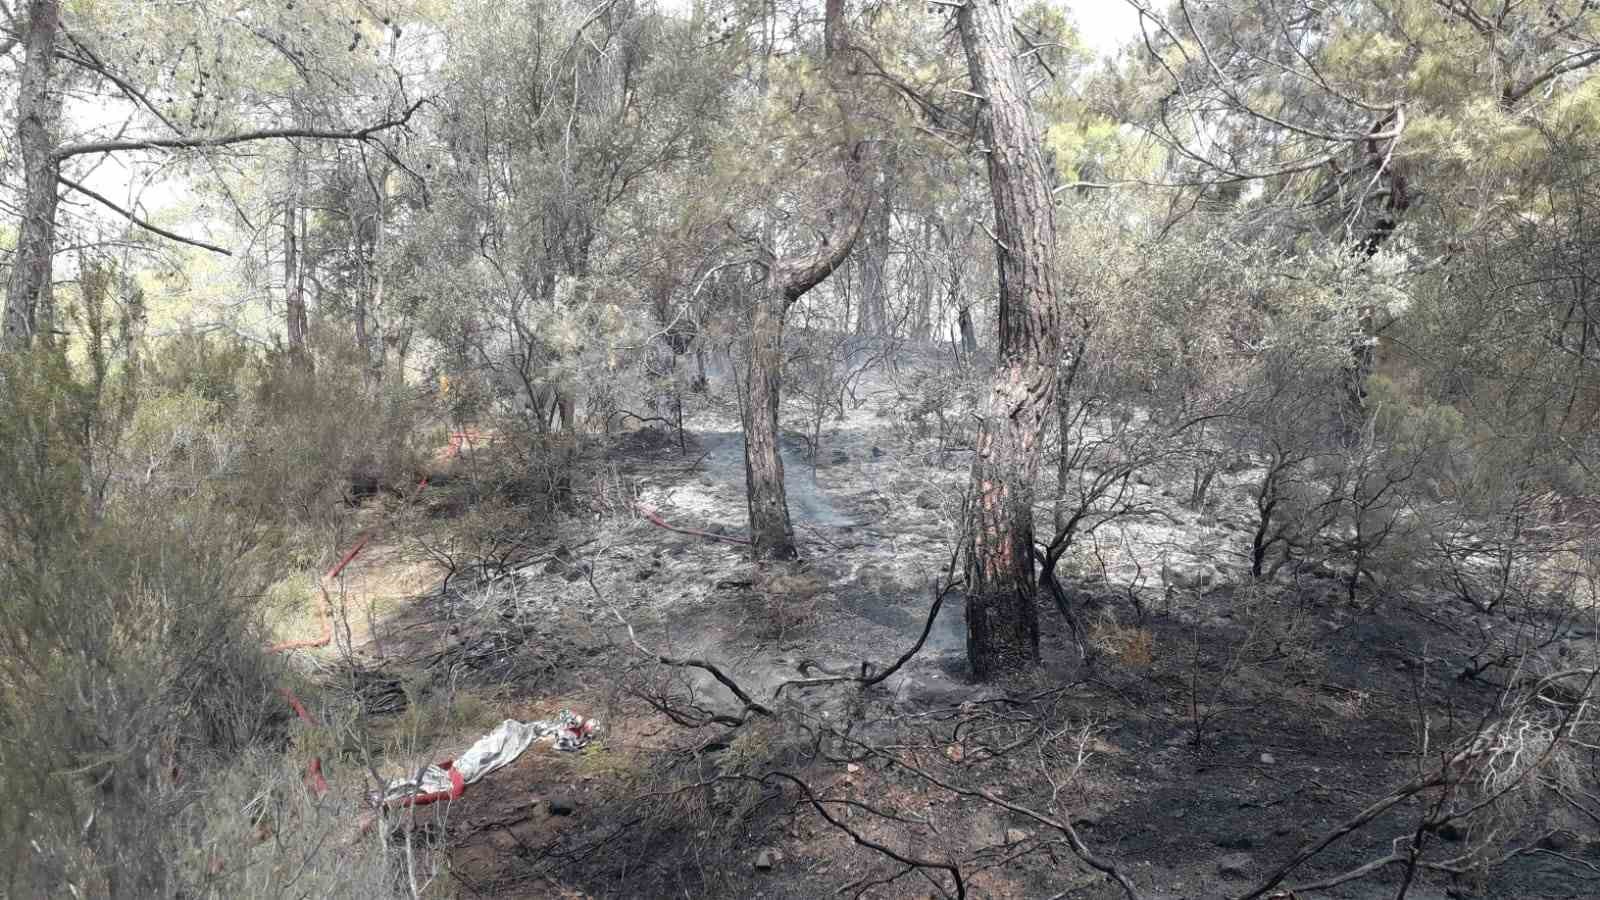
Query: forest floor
{"points": [[1209, 732]]}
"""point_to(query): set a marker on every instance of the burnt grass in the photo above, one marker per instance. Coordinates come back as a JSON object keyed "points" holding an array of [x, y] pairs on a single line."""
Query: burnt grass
{"points": [[1226, 727]]}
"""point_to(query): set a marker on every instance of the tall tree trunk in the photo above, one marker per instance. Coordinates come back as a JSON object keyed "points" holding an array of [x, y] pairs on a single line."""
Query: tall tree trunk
{"points": [[1002, 623], [787, 280], [294, 297], [367, 238], [969, 333], [874, 269], [921, 323], [771, 534], [364, 289], [28, 295]]}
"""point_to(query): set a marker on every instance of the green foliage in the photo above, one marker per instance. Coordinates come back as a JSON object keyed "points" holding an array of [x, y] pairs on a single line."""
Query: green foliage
{"points": [[146, 502], [114, 616]]}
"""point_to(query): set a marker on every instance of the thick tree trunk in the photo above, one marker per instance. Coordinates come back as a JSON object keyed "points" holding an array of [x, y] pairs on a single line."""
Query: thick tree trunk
{"points": [[1002, 623], [28, 295]]}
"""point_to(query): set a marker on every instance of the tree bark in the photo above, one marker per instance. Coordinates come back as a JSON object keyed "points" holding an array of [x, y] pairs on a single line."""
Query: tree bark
{"points": [[28, 295], [1002, 622], [771, 533], [969, 334], [833, 32], [787, 280], [921, 324], [366, 248], [294, 298], [875, 264]]}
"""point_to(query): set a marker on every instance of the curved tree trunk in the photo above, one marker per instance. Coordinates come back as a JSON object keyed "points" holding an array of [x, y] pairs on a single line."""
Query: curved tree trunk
{"points": [[28, 301], [1002, 623], [787, 280], [771, 533]]}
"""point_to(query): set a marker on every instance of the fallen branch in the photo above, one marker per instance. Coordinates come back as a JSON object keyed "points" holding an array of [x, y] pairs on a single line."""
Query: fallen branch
{"points": [[1098, 863], [870, 675], [751, 705], [911, 861], [1442, 775]]}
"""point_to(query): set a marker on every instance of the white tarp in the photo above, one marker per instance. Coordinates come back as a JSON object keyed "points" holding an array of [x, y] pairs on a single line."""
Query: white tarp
{"points": [[445, 781]]}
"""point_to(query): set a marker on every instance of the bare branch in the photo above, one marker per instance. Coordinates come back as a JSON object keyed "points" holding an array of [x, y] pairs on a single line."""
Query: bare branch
{"points": [[914, 862], [750, 704], [126, 214], [200, 143]]}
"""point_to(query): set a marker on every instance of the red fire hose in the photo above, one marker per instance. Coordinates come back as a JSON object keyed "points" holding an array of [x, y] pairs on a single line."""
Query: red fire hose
{"points": [[314, 778]]}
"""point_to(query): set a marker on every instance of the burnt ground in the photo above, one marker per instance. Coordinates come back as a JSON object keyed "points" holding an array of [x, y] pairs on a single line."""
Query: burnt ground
{"points": [[1197, 737]]}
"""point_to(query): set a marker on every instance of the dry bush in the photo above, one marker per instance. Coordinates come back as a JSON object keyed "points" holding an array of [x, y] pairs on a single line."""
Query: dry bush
{"points": [[253, 829], [1131, 645], [940, 405]]}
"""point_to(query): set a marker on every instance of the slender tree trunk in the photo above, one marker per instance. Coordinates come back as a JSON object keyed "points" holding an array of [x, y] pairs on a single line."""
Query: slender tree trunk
{"points": [[567, 411], [294, 298], [1002, 622], [921, 325], [874, 268], [1066, 420], [364, 289], [367, 235], [28, 295], [833, 27], [1363, 359], [771, 533], [787, 280], [969, 333]]}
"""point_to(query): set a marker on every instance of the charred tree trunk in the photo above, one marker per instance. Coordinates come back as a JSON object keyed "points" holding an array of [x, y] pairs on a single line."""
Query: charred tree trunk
{"points": [[1002, 622], [28, 295]]}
